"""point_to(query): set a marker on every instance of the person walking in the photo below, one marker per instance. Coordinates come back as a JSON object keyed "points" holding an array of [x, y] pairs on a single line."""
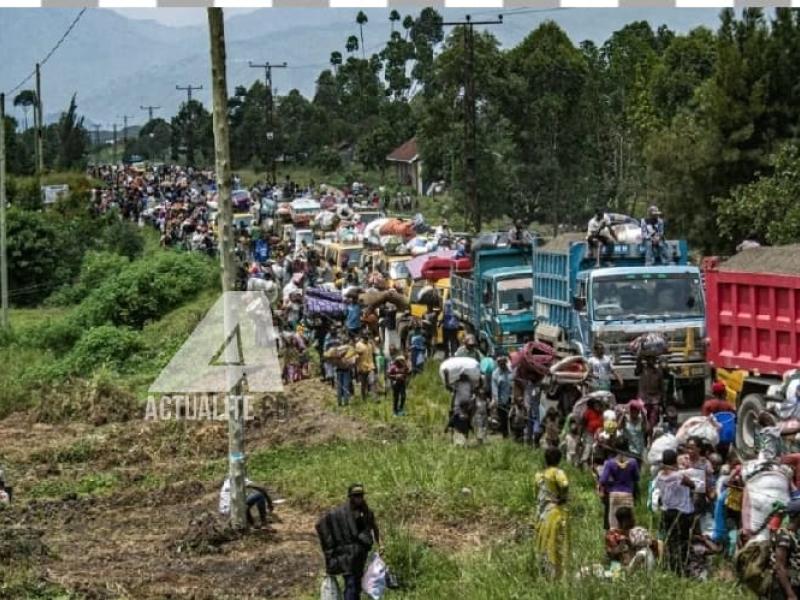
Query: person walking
{"points": [[619, 484], [343, 358], [347, 533], [675, 489], [601, 369], [450, 327], [398, 374], [501, 392], [365, 364], [551, 541]]}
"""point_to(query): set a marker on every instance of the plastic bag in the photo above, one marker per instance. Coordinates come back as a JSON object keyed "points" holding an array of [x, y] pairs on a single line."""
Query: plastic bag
{"points": [[373, 583], [460, 365], [706, 428], [659, 445], [329, 590]]}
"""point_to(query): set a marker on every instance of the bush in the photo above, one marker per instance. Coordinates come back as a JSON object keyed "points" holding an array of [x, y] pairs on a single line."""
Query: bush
{"points": [[95, 269], [105, 345], [327, 159], [146, 290]]}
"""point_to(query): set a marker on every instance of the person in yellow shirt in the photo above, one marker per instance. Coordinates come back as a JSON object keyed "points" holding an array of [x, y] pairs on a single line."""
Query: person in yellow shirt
{"points": [[552, 534], [365, 364]]}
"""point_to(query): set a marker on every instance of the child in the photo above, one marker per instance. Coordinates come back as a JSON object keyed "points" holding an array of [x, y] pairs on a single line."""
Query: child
{"points": [[551, 429], [572, 442], [398, 374], [552, 536], [480, 420], [518, 418], [418, 347]]}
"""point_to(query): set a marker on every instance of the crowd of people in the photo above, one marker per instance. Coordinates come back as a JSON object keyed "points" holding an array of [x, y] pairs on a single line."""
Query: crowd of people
{"points": [[695, 477]]}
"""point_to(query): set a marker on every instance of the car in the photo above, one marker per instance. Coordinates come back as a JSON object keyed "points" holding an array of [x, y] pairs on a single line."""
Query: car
{"points": [[303, 210], [241, 200]]}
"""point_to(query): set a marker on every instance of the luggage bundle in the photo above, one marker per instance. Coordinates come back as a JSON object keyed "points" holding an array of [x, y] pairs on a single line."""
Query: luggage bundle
{"points": [[533, 361], [320, 302], [649, 344], [452, 369], [436, 268]]}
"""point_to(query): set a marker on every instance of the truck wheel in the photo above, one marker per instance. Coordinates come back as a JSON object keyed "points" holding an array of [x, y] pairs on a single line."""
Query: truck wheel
{"points": [[746, 421]]}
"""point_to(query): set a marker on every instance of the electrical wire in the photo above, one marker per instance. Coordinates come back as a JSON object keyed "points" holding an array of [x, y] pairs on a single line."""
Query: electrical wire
{"points": [[52, 51]]}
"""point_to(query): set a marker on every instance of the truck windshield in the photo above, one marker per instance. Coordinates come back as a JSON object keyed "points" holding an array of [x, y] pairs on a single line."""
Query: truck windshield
{"points": [[647, 296], [514, 295]]}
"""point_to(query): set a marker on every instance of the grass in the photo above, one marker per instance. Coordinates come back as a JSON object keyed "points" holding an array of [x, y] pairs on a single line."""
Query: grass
{"points": [[423, 480]]}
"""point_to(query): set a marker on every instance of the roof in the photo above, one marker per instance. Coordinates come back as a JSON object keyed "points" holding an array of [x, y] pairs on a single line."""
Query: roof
{"points": [[407, 153], [509, 272]]}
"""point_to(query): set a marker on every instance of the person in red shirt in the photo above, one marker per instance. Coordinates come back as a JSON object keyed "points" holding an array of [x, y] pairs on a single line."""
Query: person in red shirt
{"points": [[592, 422], [717, 403]]}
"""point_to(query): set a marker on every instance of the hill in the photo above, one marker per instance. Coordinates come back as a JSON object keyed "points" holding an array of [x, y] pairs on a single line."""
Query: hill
{"points": [[139, 62]]}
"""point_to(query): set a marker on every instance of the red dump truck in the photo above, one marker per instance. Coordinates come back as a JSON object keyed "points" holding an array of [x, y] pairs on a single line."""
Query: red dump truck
{"points": [[753, 320]]}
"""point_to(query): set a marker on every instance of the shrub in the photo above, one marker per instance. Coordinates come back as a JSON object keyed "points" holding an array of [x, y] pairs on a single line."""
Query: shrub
{"points": [[95, 269], [105, 345], [145, 290]]}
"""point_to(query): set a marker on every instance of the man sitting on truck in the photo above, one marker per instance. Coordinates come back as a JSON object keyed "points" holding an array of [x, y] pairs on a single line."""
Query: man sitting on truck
{"points": [[653, 238], [599, 233], [518, 235]]}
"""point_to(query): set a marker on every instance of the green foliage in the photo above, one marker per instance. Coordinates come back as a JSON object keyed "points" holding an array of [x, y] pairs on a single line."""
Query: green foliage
{"points": [[73, 140], [769, 206], [95, 268], [103, 346], [192, 135], [146, 289]]}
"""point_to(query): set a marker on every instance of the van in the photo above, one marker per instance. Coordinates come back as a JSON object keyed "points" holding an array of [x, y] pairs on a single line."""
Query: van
{"points": [[332, 250]]}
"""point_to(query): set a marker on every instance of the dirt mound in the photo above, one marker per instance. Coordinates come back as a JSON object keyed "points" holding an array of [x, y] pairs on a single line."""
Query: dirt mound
{"points": [[561, 243], [21, 543], [778, 259], [205, 535], [95, 401]]}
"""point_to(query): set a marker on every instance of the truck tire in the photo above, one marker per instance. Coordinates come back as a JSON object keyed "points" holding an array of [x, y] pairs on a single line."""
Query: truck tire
{"points": [[746, 420]]}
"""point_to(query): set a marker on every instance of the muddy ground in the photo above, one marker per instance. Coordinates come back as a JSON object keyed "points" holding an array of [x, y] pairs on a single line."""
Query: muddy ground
{"points": [[156, 534]]}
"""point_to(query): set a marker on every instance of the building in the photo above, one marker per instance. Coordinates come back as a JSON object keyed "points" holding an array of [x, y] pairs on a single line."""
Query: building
{"points": [[408, 165]]}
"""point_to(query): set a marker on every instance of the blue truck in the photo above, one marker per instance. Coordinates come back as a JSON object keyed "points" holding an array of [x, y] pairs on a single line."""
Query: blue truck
{"points": [[577, 303], [495, 300]]}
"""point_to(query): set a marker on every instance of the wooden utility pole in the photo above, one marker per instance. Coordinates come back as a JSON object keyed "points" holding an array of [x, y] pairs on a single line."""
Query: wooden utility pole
{"points": [[150, 110], [269, 106], [236, 465], [40, 124], [470, 116], [125, 129], [189, 132], [3, 264], [114, 150]]}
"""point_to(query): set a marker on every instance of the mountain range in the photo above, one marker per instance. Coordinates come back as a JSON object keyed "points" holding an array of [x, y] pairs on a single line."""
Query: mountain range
{"points": [[117, 64]]}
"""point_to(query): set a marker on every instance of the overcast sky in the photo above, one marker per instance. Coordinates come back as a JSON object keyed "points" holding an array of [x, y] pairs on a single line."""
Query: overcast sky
{"points": [[176, 17]]}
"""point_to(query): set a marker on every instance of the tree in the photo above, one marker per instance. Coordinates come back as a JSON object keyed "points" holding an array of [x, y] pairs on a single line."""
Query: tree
{"points": [[191, 130], [153, 140], [73, 139], [352, 44], [768, 206], [25, 99], [336, 60], [394, 17], [408, 23], [361, 19]]}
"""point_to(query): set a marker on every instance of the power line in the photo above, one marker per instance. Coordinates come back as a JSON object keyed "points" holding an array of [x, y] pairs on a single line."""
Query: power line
{"points": [[52, 51]]}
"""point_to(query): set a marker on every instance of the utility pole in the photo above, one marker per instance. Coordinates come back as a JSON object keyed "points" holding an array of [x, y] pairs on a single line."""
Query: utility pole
{"points": [[125, 128], [114, 151], [188, 89], [3, 265], [150, 110], [270, 111], [97, 142], [40, 124], [470, 115], [189, 133], [236, 466]]}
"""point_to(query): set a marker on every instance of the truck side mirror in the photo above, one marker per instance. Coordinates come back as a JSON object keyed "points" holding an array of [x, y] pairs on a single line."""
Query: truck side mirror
{"points": [[579, 303]]}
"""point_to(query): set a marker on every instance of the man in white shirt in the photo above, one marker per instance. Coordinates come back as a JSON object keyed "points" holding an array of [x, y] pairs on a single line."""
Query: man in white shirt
{"points": [[258, 498], [599, 233], [675, 490]]}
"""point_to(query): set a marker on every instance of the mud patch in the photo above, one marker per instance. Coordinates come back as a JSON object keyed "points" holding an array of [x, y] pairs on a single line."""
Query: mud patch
{"points": [[205, 535], [21, 543]]}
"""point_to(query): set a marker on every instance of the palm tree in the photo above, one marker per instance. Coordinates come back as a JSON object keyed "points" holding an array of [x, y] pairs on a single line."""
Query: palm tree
{"points": [[25, 99], [352, 44], [394, 17], [408, 23], [361, 18], [336, 60]]}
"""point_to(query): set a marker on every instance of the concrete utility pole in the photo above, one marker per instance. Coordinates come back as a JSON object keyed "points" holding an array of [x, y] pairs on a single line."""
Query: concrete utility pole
{"points": [[40, 124], [3, 264], [236, 465], [188, 89], [97, 142], [269, 105], [470, 115], [150, 110]]}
